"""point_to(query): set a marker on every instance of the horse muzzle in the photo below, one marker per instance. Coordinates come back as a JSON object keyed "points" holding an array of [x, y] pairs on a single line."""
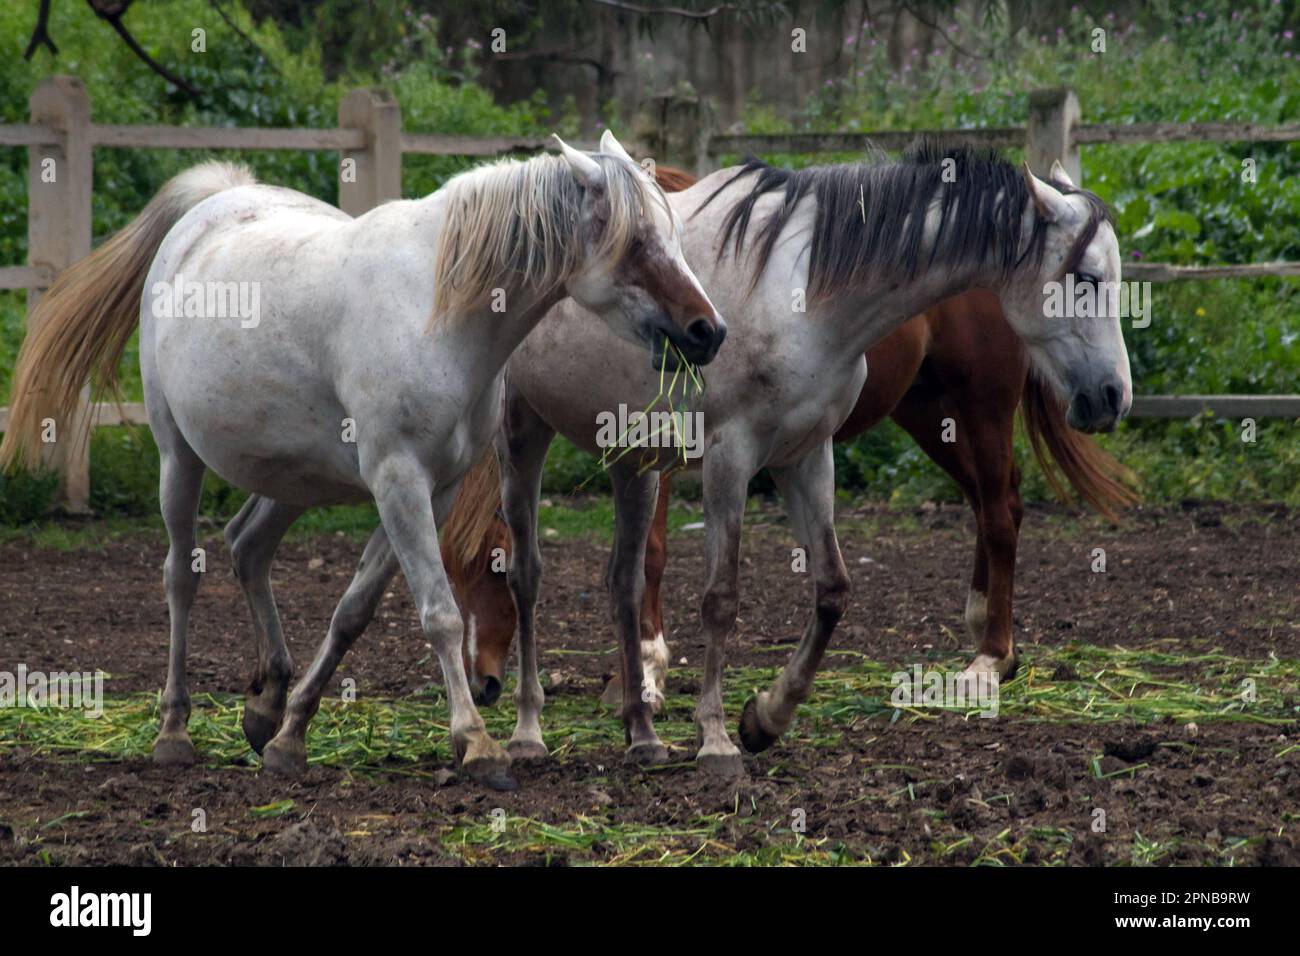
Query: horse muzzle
{"points": [[1099, 409], [698, 344]]}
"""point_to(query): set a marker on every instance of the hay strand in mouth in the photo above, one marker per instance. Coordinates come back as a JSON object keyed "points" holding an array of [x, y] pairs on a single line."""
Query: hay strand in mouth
{"points": [[693, 386]]}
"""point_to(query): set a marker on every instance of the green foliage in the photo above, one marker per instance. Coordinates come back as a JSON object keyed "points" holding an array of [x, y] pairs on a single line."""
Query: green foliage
{"points": [[1185, 203], [1174, 202], [26, 496]]}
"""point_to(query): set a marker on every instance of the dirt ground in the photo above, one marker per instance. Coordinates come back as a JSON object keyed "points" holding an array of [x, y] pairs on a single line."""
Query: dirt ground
{"points": [[1188, 580]]}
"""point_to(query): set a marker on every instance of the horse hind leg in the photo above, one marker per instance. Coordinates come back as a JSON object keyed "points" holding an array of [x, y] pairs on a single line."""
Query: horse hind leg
{"points": [[180, 487], [522, 444], [253, 536], [286, 752], [654, 649]]}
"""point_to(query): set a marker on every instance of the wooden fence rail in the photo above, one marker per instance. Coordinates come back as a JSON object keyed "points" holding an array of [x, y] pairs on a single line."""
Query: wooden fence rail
{"points": [[371, 142]]}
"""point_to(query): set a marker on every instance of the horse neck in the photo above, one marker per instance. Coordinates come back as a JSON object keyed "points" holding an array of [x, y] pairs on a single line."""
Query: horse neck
{"points": [[867, 314], [883, 303], [483, 339]]}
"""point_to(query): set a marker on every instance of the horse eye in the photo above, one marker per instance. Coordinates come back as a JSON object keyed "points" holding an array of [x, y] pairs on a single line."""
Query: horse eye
{"points": [[1086, 278]]}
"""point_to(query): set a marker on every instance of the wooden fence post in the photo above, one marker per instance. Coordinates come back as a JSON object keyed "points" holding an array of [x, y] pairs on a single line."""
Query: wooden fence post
{"points": [[59, 180], [1052, 117], [676, 130], [373, 174]]}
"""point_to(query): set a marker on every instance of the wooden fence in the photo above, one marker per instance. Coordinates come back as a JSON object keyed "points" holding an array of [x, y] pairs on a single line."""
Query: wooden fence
{"points": [[62, 136]]}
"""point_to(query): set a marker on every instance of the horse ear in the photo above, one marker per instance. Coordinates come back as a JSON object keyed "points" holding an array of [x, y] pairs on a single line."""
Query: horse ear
{"points": [[1048, 203], [586, 169], [1059, 175], [610, 145]]}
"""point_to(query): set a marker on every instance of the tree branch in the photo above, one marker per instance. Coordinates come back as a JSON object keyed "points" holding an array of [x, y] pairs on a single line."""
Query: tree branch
{"points": [[940, 30], [112, 10], [41, 35], [673, 11], [244, 36]]}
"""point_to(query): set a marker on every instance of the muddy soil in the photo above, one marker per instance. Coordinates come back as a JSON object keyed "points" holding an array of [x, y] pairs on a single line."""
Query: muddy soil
{"points": [[1187, 579]]}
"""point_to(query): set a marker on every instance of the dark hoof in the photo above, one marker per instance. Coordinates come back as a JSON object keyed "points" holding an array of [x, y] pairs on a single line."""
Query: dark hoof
{"points": [[259, 727], [1015, 663], [752, 735], [488, 694], [286, 759], [491, 773], [646, 754], [721, 764], [174, 750], [527, 750]]}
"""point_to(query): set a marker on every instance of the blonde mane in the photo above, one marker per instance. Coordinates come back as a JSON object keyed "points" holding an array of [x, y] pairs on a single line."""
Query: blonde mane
{"points": [[514, 225]]}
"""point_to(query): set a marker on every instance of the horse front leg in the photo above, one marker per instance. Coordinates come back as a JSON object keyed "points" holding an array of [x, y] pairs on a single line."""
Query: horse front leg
{"points": [[634, 504], [809, 491], [403, 496], [726, 483], [998, 523], [982, 462]]}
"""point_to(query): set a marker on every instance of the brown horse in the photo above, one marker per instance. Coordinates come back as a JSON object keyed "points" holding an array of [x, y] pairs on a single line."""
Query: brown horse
{"points": [[947, 363]]}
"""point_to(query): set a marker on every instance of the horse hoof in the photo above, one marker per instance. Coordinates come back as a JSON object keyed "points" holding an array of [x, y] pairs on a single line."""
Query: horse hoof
{"points": [[752, 734], [486, 694], [259, 727], [1015, 663], [646, 754], [286, 759], [494, 774], [174, 750], [721, 763], [527, 750]]}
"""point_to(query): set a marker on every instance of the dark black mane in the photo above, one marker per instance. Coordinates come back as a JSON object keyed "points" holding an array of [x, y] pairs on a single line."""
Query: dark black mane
{"points": [[870, 217]]}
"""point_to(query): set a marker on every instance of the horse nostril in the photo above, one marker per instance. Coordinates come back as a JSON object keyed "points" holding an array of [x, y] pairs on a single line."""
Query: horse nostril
{"points": [[491, 691], [1113, 397], [1080, 411], [700, 333]]}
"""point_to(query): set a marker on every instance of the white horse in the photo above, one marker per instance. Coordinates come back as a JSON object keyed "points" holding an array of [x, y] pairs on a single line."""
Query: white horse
{"points": [[372, 368], [813, 267]]}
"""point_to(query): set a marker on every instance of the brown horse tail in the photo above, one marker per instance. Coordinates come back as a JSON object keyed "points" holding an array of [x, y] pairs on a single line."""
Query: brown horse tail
{"points": [[81, 325], [473, 528], [1100, 480], [673, 180]]}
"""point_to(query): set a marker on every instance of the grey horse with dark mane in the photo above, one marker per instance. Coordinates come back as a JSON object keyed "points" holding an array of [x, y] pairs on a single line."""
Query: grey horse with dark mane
{"points": [[812, 267]]}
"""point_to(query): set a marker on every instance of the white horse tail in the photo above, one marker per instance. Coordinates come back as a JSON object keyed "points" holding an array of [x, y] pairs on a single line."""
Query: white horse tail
{"points": [[82, 323]]}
